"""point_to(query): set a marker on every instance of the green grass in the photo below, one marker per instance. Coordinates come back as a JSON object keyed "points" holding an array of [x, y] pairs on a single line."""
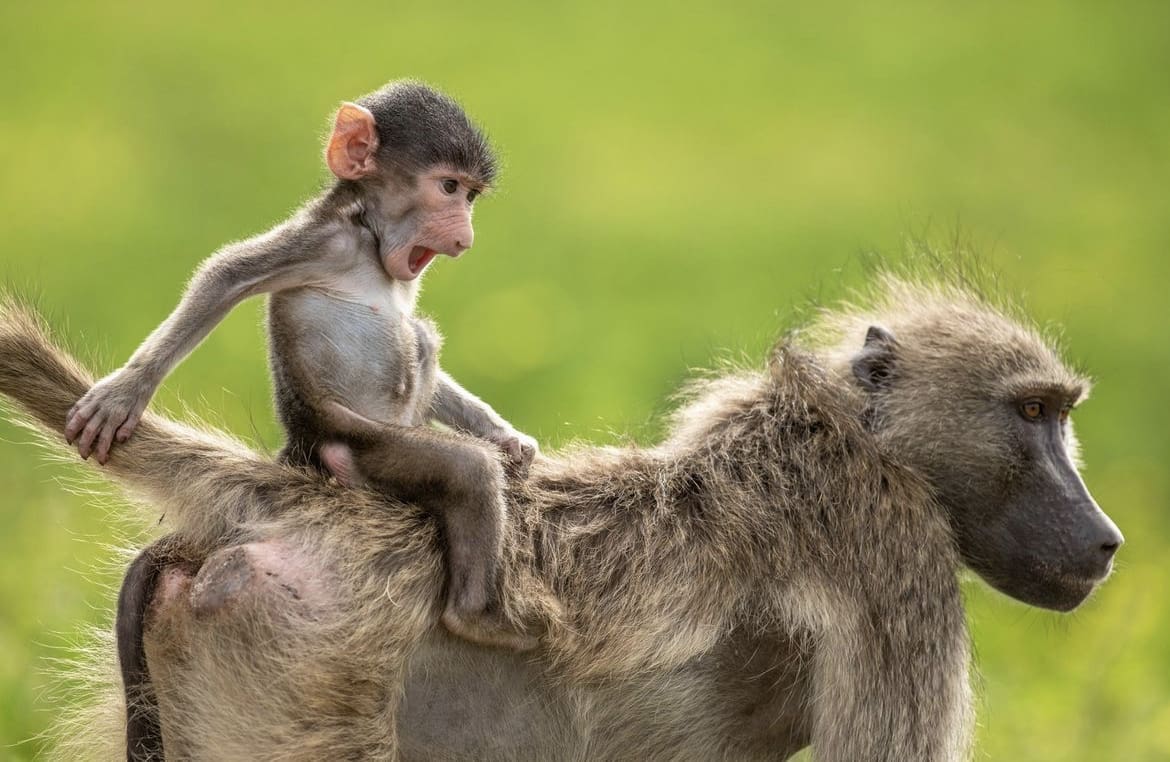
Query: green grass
{"points": [[677, 181]]}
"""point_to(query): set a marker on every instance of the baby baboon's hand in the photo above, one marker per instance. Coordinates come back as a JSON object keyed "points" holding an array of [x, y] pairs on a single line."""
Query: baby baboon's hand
{"points": [[520, 449], [108, 411]]}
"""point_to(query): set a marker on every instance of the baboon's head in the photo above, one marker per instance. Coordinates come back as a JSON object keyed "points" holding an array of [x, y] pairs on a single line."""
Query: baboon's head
{"points": [[979, 404]]}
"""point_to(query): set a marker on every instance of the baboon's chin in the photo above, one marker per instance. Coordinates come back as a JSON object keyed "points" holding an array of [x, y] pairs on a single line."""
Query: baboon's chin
{"points": [[1060, 593]]}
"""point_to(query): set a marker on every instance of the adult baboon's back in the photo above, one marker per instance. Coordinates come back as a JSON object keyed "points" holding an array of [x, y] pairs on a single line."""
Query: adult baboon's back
{"points": [[780, 570]]}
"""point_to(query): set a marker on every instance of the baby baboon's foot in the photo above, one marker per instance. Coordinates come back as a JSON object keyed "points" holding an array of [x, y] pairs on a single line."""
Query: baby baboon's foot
{"points": [[486, 629], [338, 458]]}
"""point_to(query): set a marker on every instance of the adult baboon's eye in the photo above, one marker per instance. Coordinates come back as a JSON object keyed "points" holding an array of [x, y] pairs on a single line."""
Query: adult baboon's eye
{"points": [[1033, 410], [1064, 411], [450, 186]]}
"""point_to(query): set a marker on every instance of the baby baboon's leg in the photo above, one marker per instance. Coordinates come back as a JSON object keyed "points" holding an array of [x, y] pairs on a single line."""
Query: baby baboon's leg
{"points": [[462, 483]]}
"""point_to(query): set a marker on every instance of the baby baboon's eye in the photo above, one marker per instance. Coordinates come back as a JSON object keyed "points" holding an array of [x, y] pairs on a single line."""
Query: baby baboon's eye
{"points": [[471, 196], [450, 186], [1033, 410]]}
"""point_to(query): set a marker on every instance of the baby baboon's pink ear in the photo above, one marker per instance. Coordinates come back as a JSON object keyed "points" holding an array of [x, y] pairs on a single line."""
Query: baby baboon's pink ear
{"points": [[353, 144]]}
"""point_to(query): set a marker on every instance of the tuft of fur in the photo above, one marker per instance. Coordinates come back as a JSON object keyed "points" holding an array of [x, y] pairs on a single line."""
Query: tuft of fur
{"points": [[419, 127], [91, 718], [781, 550]]}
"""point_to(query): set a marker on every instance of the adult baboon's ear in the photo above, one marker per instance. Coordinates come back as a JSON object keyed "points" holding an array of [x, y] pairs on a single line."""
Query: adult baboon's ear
{"points": [[874, 364]]}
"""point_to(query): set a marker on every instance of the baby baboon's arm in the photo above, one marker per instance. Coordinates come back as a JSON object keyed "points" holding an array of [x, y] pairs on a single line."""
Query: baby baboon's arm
{"points": [[285, 257], [460, 409]]}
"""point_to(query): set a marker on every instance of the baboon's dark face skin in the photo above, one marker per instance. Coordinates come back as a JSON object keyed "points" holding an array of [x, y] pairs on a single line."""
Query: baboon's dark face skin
{"points": [[1035, 533], [991, 433]]}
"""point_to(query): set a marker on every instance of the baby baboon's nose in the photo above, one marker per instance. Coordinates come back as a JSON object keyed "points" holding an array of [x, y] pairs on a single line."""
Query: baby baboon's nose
{"points": [[464, 238]]}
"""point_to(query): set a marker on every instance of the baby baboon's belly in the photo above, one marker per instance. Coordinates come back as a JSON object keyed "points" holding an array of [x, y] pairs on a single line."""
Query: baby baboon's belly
{"points": [[372, 358]]}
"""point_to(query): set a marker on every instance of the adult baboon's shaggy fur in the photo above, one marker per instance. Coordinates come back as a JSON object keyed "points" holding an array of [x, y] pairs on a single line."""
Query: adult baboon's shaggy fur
{"points": [[778, 571]]}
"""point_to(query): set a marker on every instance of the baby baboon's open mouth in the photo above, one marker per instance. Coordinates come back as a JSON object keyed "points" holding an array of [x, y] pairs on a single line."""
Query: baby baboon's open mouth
{"points": [[419, 257]]}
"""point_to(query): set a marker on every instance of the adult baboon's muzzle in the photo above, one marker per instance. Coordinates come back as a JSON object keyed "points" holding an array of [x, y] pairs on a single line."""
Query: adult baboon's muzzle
{"points": [[1092, 538]]}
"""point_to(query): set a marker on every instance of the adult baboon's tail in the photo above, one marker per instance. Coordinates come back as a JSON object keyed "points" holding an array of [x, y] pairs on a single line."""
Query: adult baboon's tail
{"points": [[44, 380], [206, 482]]}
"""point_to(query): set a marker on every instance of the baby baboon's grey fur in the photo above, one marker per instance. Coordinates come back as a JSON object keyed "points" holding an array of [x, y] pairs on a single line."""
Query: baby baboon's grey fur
{"points": [[779, 571]]}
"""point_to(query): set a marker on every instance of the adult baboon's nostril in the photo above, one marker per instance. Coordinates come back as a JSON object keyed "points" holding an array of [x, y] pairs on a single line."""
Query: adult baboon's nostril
{"points": [[1111, 539]]}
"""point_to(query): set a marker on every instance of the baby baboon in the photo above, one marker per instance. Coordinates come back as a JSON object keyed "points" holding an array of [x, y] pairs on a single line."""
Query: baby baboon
{"points": [[356, 373], [781, 570]]}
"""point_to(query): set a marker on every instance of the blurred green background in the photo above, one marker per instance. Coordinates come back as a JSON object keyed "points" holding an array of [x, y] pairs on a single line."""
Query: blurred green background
{"points": [[678, 177]]}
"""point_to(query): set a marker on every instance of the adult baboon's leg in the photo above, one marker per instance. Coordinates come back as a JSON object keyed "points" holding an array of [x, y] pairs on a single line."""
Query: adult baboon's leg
{"points": [[143, 734], [892, 679]]}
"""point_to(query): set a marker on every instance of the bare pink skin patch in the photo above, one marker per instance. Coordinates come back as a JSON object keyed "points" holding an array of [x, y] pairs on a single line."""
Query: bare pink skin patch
{"points": [[270, 570]]}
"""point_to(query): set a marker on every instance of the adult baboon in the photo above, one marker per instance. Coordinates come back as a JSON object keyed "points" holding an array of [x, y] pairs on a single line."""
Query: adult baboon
{"points": [[780, 570]]}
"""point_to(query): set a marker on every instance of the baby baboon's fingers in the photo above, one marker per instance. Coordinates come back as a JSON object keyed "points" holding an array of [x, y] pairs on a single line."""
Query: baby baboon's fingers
{"points": [[89, 434]]}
